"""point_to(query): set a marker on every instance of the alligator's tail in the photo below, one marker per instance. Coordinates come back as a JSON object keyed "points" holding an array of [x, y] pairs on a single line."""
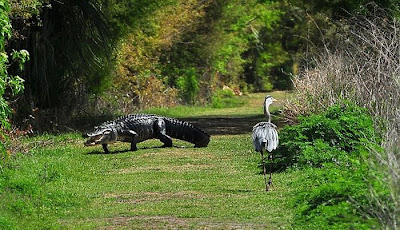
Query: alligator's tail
{"points": [[185, 131]]}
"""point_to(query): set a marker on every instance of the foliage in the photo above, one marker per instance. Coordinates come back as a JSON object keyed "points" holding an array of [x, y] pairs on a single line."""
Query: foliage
{"points": [[141, 48], [188, 85], [362, 68], [334, 197], [71, 48], [225, 98], [333, 148], [230, 45], [82, 49], [9, 85], [148, 92], [336, 133]]}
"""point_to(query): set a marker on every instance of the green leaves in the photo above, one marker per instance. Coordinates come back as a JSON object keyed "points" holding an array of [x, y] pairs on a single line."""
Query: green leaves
{"points": [[188, 85], [15, 83], [21, 56], [331, 150], [330, 136]]}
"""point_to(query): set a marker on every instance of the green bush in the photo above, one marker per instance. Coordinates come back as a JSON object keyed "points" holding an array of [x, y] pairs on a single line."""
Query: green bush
{"points": [[334, 197], [188, 85], [332, 136], [225, 98], [332, 150], [7, 81]]}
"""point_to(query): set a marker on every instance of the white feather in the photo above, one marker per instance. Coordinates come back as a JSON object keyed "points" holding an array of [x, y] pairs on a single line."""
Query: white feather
{"points": [[265, 135]]}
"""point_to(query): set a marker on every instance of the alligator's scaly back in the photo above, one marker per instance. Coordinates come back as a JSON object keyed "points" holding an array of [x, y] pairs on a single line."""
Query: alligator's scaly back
{"points": [[136, 128], [185, 131]]}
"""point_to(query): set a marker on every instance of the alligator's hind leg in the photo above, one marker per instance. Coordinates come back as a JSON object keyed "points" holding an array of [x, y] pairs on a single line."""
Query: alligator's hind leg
{"points": [[132, 137], [161, 133]]}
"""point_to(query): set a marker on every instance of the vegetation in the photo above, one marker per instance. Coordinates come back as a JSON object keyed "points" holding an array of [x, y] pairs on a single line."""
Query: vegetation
{"points": [[362, 70], [337, 166], [59, 184], [63, 184], [117, 57], [9, 85], [332, 136], [332, 151]]}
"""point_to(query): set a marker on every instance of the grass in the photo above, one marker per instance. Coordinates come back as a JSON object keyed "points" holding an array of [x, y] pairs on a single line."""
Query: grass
{"points": [[250, 105], [63, 185]]}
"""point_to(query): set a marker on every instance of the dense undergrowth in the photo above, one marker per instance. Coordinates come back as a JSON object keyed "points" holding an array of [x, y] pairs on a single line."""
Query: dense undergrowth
{"points": [[362, 67], [332, 151]]}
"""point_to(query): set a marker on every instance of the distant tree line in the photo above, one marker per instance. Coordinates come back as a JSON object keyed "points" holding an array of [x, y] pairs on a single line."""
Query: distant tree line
{"points": [[115, 56]]}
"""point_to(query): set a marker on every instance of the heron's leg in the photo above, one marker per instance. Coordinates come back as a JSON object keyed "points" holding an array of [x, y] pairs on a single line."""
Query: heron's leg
{"points": [[264, 170], [270, 170], [105, 148]]}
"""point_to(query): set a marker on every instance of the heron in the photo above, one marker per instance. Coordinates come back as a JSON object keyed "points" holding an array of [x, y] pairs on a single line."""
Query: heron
{"points": [[265, 137]]}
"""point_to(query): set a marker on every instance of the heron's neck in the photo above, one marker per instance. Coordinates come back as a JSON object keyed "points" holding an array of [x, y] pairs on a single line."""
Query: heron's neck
{"points": [[266, 112]]}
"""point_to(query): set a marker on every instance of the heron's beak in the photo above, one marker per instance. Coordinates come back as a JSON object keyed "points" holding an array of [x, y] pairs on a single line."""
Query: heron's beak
{"points": [[274, 100]]}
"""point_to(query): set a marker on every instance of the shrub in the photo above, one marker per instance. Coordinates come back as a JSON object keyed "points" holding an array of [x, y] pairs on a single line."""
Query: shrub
{"points": [[362, 68], [188, 85], [8, 82], [331, 197], [332, 149], [225, 98], [331, 136]]}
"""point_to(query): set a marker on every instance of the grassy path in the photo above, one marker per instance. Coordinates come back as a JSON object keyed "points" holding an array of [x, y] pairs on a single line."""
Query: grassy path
{"points": [[218, 187]]}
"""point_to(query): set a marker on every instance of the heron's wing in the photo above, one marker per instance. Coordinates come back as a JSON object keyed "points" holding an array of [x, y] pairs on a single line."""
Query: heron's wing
{"points": [[264, 133]]}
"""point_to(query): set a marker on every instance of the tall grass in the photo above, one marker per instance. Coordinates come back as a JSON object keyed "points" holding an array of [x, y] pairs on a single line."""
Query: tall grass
{"points": [[363, 68]]}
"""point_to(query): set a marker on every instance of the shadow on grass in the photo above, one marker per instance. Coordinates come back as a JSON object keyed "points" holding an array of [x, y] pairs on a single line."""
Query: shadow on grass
{"points": [[101, 152], [226, 125]]}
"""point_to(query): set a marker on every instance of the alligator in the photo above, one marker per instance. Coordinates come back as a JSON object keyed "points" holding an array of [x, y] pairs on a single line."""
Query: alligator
{"points": [[135, 128]]}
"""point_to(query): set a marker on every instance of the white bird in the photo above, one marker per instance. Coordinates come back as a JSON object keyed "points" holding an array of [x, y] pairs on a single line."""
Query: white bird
{"points": [[265, 136]]}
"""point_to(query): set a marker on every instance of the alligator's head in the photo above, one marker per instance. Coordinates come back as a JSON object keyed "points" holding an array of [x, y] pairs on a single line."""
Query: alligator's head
{"points": [[101, 136]]}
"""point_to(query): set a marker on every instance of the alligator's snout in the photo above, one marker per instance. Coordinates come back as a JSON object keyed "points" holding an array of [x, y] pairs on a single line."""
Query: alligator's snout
{"points": [[89, 143], [94, 140]]}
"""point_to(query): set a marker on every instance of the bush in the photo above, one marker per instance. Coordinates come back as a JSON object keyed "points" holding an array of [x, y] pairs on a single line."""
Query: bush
{"points": [[188, 86], [362, 68], [332, 149], [331, 198], [329, 137], [225, 98], [9, 85]]}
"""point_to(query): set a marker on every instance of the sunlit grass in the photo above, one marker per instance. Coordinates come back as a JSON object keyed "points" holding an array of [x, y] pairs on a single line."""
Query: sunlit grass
{"points": [[252, 105], [76, 188], [61, 184]]}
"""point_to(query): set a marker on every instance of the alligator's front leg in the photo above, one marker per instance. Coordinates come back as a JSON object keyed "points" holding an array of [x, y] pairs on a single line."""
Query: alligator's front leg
{"points": [[105, 148], [161, 132]]}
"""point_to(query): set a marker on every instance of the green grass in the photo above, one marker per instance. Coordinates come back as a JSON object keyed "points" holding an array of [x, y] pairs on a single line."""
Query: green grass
{"points": [[59, 184], [218, 186], [248, 105]]}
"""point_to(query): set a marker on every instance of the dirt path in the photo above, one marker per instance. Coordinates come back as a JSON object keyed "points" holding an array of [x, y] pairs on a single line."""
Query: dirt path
{"points": [[226, 124]]}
